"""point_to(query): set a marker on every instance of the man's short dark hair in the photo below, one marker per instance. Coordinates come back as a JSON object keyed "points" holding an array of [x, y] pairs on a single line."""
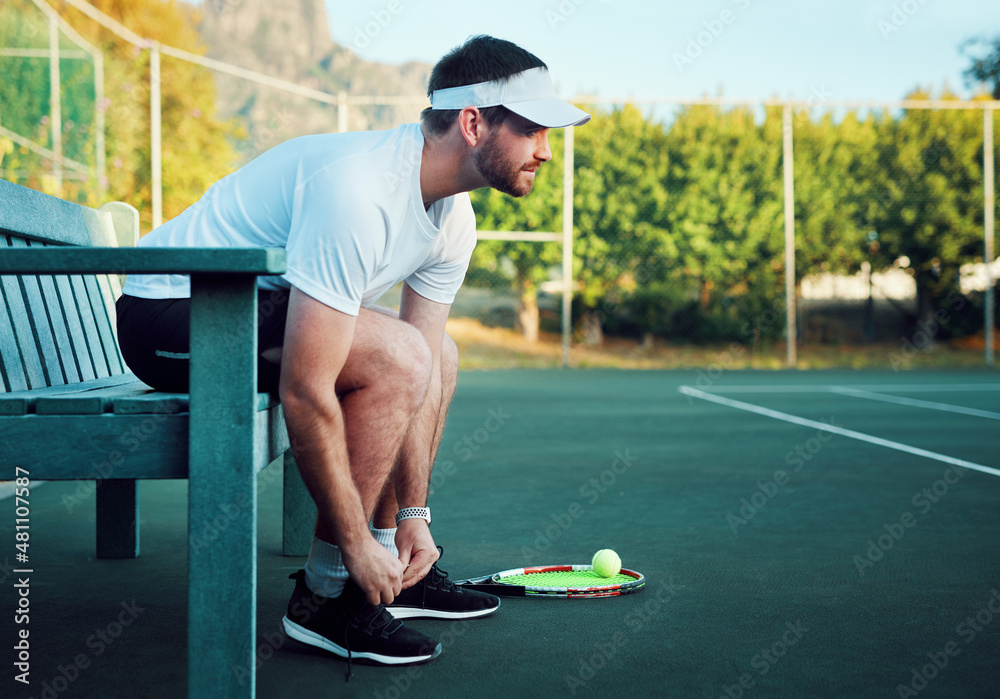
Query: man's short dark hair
{"points": [[480, 59]]}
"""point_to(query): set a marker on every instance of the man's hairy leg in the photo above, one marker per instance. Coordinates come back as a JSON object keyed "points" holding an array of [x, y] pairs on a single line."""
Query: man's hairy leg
{"points": [[383, 383], [423, 439], [415, 462]]}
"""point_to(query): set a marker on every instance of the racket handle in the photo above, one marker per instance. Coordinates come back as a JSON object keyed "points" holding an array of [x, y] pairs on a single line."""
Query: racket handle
{"points": [[492, 588], [472, 581]]}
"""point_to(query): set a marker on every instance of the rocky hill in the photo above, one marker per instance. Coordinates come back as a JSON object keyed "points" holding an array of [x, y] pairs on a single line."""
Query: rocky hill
{"points": [[290, 39]]}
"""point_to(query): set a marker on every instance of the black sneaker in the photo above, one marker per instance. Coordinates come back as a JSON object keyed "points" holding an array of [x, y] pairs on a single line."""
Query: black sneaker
{"points": [[350, 627], [437, 597]]}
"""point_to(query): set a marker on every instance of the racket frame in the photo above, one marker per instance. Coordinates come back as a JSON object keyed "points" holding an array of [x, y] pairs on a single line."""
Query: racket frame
{"points": [[491, 583]]}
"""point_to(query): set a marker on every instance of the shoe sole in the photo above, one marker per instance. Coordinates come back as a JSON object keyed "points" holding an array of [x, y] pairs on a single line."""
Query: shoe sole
{"points": [[311, 638], [418, 613]]}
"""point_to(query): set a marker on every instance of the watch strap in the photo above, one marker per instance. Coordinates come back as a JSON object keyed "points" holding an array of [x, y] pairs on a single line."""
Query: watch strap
{"points": [[413, 512]]}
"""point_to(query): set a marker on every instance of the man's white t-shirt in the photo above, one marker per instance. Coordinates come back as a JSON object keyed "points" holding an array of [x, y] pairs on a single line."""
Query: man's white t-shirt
{"points": [[349, 212]]}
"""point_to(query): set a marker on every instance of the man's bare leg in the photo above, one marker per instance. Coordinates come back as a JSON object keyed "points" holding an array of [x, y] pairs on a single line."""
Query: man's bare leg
{"points": [[394, 407], [420, 445], [382, 386], [438, 598], [384, 383]]}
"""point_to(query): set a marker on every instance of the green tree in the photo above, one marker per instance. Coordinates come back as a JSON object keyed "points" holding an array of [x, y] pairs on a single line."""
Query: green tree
{"points": [[837, 170], [618, 198], [985, 63], [725, 213], [929, 207], [622, 246], [836, 163]]}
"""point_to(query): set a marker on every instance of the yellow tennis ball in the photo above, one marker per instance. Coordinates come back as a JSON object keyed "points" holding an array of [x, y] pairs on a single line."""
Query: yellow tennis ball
{"points": [[606, 563]]}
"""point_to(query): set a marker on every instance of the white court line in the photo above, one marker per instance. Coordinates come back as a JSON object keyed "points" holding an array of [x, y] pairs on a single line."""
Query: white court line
{"points": [[914, 402], [833, 429], [937, 388], [757, 388], [902, 388]]}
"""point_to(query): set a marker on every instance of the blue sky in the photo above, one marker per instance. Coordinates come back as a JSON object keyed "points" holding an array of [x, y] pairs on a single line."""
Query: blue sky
{"points": [[849, 50]]}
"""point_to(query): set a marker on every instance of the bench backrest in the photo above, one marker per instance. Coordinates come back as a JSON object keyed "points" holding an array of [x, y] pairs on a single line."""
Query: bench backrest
{"points": [[57, 330]]}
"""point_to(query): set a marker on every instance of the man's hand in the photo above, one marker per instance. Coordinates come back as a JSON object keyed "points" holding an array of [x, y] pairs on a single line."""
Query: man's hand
{"points": [[416, 549], [376, 572]]}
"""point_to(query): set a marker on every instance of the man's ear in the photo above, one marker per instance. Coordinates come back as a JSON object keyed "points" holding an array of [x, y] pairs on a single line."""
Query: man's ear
{"points": [[471, 125]]}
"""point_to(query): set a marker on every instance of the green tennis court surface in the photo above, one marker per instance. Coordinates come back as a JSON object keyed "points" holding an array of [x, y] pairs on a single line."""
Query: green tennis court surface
{"points": [[798, 540]]}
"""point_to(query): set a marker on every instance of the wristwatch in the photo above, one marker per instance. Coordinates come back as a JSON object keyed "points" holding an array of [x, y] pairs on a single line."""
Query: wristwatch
{"points": [[412, 512]]}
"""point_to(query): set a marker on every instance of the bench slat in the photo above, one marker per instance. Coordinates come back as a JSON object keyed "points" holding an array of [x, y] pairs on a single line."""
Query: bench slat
{"points": [[116, 287], [90, 402], [165, 403], [74, 323], [111, 291], [48, 354], [28, 350], [66, 350], [127, 397], [175, 403], [32, 214], [64, 347], [22, 402], [108, 347], [91, 333], [10, 356]]}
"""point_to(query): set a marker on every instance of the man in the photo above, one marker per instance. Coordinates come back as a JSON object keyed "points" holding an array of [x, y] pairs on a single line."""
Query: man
{"points": [[365, 392]]}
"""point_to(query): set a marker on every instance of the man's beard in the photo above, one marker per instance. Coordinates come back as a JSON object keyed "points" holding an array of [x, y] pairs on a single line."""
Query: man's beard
{"points": [[500, 171]]}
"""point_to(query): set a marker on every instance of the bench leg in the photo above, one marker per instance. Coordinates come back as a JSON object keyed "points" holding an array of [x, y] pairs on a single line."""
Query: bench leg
{"points": [[118, 518], [298, 512], [222, 489]]}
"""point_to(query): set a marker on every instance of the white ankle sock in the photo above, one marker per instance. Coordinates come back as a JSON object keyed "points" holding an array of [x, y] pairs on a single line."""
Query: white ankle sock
{"points": [[387, 537], [325, 571]]}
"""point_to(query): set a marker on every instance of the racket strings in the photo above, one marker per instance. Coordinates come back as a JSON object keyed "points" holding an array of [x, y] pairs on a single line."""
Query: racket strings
{"points": [[574, 579]]}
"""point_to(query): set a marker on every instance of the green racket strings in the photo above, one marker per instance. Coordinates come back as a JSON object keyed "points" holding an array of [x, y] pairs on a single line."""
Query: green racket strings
{"points": [[574, 578]]}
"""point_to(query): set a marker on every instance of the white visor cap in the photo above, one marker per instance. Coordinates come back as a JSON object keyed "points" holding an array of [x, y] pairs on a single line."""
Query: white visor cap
{"points": [[529, 94]]}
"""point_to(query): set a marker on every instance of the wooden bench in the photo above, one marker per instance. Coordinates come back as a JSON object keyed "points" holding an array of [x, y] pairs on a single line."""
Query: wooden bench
{"points": [[70, 409]]}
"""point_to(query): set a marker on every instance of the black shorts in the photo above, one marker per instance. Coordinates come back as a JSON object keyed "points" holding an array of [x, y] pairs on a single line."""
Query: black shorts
{"points": [[154, 336]]}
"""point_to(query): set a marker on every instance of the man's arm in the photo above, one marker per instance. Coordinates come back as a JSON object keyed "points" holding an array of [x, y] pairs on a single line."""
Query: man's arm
{"points": [[317, 341], [416, 459]]}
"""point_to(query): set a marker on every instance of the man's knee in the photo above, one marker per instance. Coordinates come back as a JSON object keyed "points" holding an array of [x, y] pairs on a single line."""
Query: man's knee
{"points": [[414, 361]]}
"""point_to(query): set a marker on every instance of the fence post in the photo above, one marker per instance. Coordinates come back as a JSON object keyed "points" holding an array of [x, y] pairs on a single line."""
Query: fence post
{"points": [[155, 133], [989, 229], [789, 233], [55, 104], [567, 245], [99, 125]]}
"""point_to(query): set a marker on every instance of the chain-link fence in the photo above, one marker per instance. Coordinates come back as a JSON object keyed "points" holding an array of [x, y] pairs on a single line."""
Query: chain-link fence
{"points": [[768, 229], [51, 104]]}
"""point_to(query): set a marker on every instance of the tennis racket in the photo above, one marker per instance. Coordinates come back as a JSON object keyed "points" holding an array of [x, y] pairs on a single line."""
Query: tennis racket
{"points": [[566, 581]]}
